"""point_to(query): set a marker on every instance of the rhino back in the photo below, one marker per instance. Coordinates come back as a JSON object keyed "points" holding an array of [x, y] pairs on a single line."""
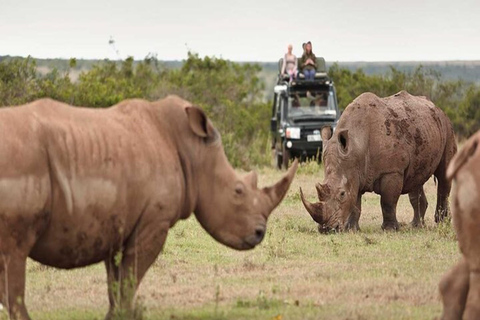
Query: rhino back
{"points": [[401, 133], [105, 167]]}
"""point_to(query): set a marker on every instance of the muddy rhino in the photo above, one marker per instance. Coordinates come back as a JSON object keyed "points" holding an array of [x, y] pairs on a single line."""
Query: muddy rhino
{"points": [[78, 186], [460, 287], [390, 146]]}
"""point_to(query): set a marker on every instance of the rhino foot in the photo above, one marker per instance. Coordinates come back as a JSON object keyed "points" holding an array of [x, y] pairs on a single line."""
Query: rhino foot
{"points": [[417, 223], [353, 227], [390, 226]]}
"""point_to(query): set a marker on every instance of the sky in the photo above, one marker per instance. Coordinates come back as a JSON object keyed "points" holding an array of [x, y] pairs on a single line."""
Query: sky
{"points": [[247, 30]]}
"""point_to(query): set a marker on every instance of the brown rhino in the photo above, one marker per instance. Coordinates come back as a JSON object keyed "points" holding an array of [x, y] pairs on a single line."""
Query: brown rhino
{"points": [[78, 186], [460, 287], [390, 146]]}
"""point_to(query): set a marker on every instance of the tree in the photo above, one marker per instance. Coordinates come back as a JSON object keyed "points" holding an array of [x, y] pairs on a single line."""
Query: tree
{"points": [[230, 93], [18, 81]]}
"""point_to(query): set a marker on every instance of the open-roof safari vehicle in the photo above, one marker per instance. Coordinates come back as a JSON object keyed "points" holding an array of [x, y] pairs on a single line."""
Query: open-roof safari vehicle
{"points": [[300, 109]]}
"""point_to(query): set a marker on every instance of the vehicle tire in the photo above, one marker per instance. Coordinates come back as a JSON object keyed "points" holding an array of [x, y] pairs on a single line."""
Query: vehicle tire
{"points": [[278, 160], [285, 158]]}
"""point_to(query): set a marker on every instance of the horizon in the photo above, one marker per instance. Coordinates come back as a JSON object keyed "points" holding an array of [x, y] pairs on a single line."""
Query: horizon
{"points": [[237, 61]]}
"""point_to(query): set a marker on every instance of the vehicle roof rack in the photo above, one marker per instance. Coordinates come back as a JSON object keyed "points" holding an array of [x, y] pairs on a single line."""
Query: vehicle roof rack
{"points": [[301, 85]]}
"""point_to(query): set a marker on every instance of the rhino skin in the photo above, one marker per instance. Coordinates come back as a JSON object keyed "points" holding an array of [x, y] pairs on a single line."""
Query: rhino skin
{"points": [[390, 146], [78, 186], [460, 287]]}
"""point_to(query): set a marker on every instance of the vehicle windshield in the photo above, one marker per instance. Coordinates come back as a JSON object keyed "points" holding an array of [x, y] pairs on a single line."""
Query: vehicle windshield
{"points": [[311, 104]]}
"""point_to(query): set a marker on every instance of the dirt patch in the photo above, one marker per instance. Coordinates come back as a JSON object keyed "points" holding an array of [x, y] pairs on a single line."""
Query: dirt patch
{"points": [[392, 112], [402, 129], [387, 127], [418, 142]]}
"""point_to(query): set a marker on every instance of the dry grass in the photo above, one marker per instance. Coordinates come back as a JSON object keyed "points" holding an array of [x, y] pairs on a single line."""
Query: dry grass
{"points": [[296, 273]]}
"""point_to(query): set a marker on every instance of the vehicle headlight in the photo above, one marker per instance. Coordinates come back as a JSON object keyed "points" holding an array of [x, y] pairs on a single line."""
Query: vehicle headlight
{"points": [[293, 133]]}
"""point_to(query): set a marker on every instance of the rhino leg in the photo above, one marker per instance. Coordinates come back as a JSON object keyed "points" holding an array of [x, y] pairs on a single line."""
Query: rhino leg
{"points": [[390, 190], [444, 185], [18, 234], [419, 202], [472, 307], [12, 284], [453, 290], [140, 251], [113, 278], [352, 223], [443, 191]]}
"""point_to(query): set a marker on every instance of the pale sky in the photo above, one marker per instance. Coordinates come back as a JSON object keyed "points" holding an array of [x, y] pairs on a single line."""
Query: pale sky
{"points": [[245, 30]]}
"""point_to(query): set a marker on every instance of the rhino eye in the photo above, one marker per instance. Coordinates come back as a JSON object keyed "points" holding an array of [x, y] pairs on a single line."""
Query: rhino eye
{"points": [[239, 189], [342, 194]]}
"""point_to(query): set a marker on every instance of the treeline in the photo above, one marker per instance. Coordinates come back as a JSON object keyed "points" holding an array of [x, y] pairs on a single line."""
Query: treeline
{"points": [[62, 65], [231, 93]]}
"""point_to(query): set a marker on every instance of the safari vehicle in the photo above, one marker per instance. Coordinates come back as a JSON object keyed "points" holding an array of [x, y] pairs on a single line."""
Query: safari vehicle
{"points": [[300, 109]]}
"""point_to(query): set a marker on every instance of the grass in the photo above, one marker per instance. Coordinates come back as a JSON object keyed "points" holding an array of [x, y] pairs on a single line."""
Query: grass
{"points": [[296, 273]]}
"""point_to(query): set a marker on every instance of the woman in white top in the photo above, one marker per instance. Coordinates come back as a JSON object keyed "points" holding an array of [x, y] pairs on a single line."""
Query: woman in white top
{"points": [[290, 64]]}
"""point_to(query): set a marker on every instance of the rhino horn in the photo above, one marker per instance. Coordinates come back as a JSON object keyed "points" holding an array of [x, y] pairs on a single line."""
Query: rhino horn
{"points": [[278, 191], [315, 209], [323, 191]]}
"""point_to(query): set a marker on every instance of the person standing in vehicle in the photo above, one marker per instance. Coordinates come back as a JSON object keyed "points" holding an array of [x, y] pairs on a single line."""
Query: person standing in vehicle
{"points": [[308, 62], [289, 64]]}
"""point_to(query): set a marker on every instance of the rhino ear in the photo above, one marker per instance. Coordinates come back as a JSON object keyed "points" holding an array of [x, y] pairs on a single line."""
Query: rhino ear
{"points": [[343, 141], [251, 179], [326, 133], [199, 122]]}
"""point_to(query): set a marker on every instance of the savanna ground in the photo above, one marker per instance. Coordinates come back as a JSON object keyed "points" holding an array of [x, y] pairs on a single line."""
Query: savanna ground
{"points": [[296, 273]]}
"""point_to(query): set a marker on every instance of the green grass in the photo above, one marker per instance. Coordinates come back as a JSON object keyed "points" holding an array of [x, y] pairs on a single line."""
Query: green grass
{"points": [[296, 273]]}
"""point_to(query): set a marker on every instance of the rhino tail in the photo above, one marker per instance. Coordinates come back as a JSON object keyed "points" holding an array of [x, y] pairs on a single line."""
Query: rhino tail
{"points": [[461, 158]]}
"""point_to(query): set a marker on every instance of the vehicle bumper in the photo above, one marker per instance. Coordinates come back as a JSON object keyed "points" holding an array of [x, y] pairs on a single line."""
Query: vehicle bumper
{"points": [[304, 148]]}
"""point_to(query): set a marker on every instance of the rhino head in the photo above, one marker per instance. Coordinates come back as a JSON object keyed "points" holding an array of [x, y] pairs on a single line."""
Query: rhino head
{"points": [[232, 209], [337, 195]]}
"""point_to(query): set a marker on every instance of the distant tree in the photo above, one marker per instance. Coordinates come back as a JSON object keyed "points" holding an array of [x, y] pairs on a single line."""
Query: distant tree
{"points": [[18, 81], [468, 121], [111, 82], [231, 94], [57, 86]]}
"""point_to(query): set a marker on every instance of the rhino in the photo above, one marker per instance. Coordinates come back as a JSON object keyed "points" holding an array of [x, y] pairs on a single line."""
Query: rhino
{"points": [[79, 186], [390, 146], [460, 287]]}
